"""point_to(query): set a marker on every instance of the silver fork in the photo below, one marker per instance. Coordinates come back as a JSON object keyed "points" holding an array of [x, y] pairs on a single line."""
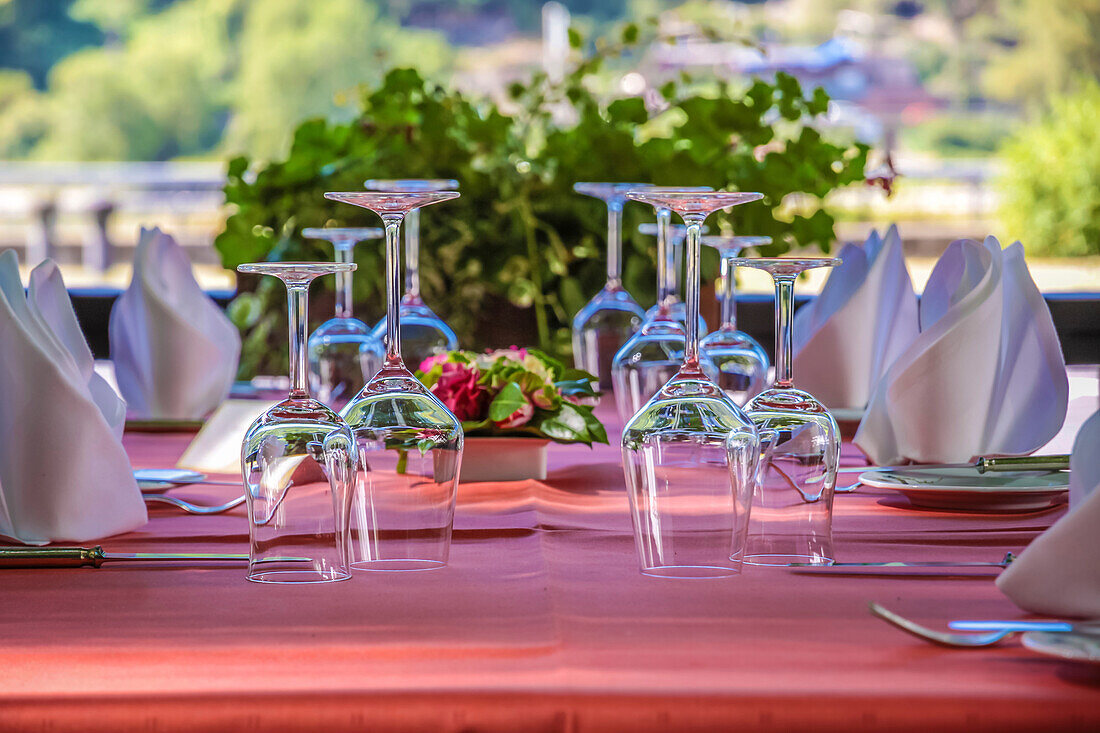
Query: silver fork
{"points": [[194, 508], [943, 638]]}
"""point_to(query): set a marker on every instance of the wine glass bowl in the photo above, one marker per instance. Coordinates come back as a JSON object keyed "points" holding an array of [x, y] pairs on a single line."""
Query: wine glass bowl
{"points": [[408, 444], [343, 353], [604, 324], [792, 514], [298, 497], [741, 362], [689, 454]]}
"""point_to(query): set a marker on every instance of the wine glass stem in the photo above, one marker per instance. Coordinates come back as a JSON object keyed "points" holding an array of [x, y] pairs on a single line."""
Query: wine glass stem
{"points": [[729, 293], [344, 251], [784, 339], [664, 265], [297, 305], [691, 292], [412, 254], [393, 290], [614, 244]]}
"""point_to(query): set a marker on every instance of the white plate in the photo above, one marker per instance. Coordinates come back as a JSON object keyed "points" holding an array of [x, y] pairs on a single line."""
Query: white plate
{"points": [[159, 480], [848, 414], [965, 488], [1078, 647]]}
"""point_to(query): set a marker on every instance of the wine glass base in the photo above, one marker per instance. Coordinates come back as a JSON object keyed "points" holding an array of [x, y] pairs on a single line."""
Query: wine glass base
{"points": [[283, 577], [398, 565], [785, 560], [690, 572]]}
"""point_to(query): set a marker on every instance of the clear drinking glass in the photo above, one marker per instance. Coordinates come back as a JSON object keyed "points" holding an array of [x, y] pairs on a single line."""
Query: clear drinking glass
{"points": [[423, 333], [741, 361], [673, 263], [655, 352], [604, 324], [343, 354], [690, 454], [409, 444], [297, 511], [793, 505]]}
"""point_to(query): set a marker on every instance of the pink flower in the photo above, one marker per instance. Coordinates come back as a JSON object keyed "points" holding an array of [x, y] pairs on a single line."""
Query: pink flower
{"points": [[517, 418], [458, 389], [431, 361]]}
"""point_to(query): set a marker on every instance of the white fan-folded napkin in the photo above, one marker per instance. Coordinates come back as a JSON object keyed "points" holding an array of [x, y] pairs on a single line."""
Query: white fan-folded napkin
{"points": [[985, 376], [175, 352], [1059, 573], [865, 316], [63, 472]]}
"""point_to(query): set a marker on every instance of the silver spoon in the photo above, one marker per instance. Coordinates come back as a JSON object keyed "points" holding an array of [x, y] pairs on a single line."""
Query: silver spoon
{"points": [[955, 641], [195, 508]]}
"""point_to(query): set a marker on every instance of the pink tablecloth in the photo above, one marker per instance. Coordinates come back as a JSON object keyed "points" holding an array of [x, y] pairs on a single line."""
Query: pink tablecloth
{"points": [[541, 622]]}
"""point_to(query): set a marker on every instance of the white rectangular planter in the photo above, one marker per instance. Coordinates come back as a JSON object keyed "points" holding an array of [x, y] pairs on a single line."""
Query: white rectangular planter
{"points": [[503, 459]]}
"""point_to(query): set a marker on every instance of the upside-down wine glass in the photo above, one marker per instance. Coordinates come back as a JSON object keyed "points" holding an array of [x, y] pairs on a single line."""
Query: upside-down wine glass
{"points": [[298, 497], [343, 354], [793, 504], [651, 356], [604, 324], [409, 444], [741, 361], [690, 454], [674, 235], [423, 333]]}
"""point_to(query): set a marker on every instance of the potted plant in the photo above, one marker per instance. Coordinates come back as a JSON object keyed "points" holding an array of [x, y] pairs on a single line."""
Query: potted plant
{"points": [[512, 403]]}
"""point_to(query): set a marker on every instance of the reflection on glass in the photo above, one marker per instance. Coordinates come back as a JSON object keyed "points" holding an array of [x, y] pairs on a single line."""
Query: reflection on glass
{"points": [[297, 515]]}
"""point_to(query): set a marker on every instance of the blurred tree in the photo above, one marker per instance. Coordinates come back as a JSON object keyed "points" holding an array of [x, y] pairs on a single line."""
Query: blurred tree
{"points": [[36, 33], [1055, 49], [1051, 184]]}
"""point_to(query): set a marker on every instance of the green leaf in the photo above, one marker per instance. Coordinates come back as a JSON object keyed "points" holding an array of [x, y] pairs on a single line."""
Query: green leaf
{"points": [[630, 33], [568, 426], [575, 38], [506, 402]]}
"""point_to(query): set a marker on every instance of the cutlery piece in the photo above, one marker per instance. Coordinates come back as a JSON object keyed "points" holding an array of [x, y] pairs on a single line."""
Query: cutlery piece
{"points": [[76, 557], [984, 464], [1008, 558], [149, 478], [955, 641], [194, 508], [1081, 627]]}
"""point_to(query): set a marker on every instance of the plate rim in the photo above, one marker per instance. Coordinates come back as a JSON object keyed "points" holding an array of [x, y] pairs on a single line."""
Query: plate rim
{"points": [[1033, 641], [868, 478]]}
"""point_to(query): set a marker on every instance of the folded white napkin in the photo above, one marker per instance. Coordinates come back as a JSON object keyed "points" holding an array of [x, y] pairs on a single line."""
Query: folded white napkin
{"points": [[175, 352], [986, 374], [865, 316], [63, 472], [1059, 573]]}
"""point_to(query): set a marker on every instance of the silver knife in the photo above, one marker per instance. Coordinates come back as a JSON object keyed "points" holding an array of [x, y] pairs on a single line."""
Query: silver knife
{"points": [[1008, 558], [984, 464], [77, 557], [1082, 627]]}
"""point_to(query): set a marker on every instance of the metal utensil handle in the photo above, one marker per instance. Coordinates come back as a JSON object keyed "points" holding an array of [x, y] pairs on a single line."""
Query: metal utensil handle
{"points": [[51, 557], [1024, 463]]}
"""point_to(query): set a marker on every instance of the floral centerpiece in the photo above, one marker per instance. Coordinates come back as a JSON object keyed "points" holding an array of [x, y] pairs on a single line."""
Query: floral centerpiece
{"points": [[515, 392]]}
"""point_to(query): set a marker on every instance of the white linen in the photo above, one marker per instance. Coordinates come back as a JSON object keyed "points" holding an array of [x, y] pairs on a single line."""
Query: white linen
{"points": [[986, 374], [864, 318], [1059, 573], [175, 352], [63, 472]]}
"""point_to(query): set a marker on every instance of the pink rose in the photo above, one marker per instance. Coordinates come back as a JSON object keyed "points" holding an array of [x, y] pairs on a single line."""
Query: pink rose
{"points": [[431, 361], [458, 389], [517, 418]]}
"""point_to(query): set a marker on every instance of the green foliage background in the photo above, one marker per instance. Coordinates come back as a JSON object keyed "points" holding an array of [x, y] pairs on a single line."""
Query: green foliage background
{"points": [[519, 231], [1051, 184]]}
